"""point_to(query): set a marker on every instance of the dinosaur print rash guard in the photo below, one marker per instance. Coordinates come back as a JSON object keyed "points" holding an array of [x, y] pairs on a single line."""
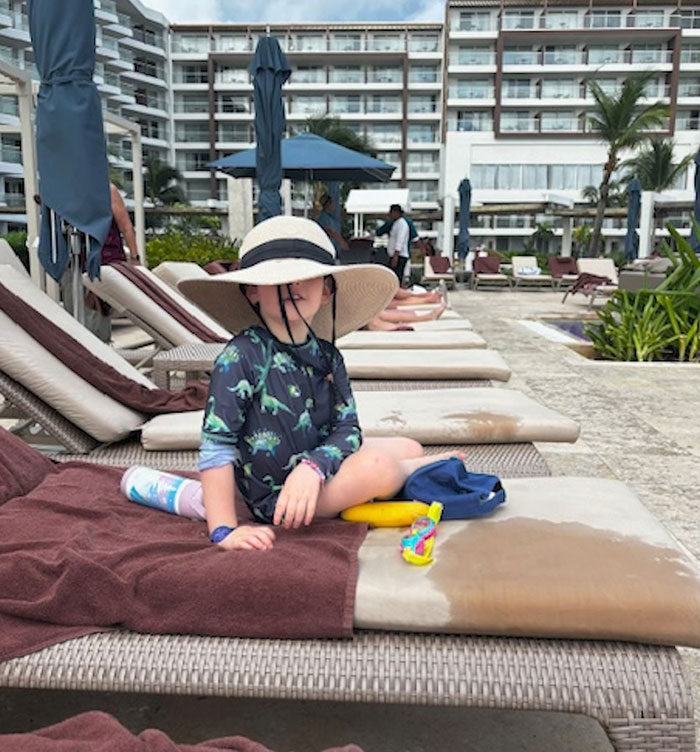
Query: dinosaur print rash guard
{"points": [[270, 405]]}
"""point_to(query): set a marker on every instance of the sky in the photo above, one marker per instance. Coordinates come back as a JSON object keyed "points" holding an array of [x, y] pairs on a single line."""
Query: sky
{"points": [[299, 11]]}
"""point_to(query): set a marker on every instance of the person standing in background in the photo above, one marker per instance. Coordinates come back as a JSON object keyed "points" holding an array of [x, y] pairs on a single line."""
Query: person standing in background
{"points": [[398, 241], [327, 220]]}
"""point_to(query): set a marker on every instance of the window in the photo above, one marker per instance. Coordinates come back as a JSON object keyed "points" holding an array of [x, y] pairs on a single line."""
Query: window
{"points": [[518, 121], [518, 19], [645, 19], [9, 105], [562, 55], [422, 103], [468, 89], [345, 103], [192, 161], [346, 74], [601, 55], [424, 74], [235, 132], [419, 42], [422, 133], [191, 43], [197, 190], [232, 43], [689, 87], [518, 88], [10, 149], [534, 177], [309, 43], [226, 75], [476, 21], [561, 19], [383, 104], [147, 67], [147, 98], [307, 74], [559, 121], [232, 103], [421, 162], [649, 53], [690, 19], [308, 105], [390, 157], [423, 190], [151, 129], [605, 19], [520, 56], [195, 73], [385, 42], [386, 133], [472, 56], [379, 74], [185, 132], [191, 103], [691, 52], [559, 88], [472, 121], [346, 42], [148, 36]]}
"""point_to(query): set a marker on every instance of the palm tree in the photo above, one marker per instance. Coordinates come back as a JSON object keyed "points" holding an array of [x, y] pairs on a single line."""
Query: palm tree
{"points": [[617, 194], [582, 237], [621, 122], [161, 183], [655, 167], [333, 129], [541, 236]]}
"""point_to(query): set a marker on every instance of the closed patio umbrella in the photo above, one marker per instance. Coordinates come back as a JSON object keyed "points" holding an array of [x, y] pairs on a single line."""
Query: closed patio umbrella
{"points": [[634, 203], [71, 150], [270, 70], [694, 239], [465, 199]]}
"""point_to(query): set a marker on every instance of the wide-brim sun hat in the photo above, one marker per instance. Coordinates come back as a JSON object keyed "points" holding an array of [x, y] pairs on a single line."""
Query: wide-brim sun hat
{"points": [[282, 250]]}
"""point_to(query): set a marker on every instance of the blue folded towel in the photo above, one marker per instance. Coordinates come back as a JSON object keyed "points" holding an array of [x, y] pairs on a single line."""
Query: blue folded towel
{"points": [[462, 494]]}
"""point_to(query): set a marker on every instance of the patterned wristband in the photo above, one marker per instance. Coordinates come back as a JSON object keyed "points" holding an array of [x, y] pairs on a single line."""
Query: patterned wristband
{"points": [[315, 468], [219, 533]]}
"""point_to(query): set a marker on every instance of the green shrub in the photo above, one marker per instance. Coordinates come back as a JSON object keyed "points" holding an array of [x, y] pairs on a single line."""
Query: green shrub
{"points": [[660, 324], [18, 242], [178, 245]]}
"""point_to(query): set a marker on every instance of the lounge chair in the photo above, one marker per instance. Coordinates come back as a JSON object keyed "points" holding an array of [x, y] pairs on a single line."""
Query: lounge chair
{"points": [[437, 269], [416, 340], [171, 272], [9, 257], [526, 271], [597, 277], [487, 269], [563, 270], [127, 298], [636, 691]]}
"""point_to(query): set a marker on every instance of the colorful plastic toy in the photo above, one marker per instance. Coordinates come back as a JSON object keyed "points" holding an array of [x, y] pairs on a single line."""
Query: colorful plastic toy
{"points": [[386, 513], [417, 546]]}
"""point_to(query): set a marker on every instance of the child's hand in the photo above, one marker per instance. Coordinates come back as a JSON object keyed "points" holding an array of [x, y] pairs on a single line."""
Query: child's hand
{"points": [[249, 538], [298, 497]]}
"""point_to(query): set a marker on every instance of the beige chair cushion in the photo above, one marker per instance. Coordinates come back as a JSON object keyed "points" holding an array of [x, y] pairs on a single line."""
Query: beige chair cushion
{"points": [[527, 262], [119, 292], [23, 359], [430, 275], [171, 272], [413, 364], [441, 325], [450, 340], [577, 558], [439, 416], [603, 267]]}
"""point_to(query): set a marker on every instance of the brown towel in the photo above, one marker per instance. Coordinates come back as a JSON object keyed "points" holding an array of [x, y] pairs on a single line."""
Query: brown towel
{"points": [[77, 557], [167, 303], [486, 265], [439, 264], [100, 732], [95, 371]]}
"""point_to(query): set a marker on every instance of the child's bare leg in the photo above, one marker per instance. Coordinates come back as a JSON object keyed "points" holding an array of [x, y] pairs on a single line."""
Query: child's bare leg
{"points": [[395, 446], [368, 474]]}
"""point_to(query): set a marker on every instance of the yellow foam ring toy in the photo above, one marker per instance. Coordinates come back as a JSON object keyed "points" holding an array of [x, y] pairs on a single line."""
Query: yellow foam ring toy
{"points": [[386, 513]]}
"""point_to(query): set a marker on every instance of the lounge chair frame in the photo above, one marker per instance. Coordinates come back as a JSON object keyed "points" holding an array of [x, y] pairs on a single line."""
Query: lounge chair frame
{"points": [[638, 693]]}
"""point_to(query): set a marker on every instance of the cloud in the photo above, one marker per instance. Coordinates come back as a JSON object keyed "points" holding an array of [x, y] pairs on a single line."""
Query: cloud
{"points": [[301, 11]]}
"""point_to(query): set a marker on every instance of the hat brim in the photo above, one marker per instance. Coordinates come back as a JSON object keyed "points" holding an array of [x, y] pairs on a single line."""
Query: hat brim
{"points": [[362, 291]]}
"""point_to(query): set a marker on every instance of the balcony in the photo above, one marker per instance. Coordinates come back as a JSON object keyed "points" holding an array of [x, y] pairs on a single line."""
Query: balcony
{"points": [[472, 57], [471, 92], [11, 154], [592, 57], [472, 125]]}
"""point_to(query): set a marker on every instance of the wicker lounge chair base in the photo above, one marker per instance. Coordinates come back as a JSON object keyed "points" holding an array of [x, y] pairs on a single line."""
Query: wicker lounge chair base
{"points": [[504, 460], [638, 693]]}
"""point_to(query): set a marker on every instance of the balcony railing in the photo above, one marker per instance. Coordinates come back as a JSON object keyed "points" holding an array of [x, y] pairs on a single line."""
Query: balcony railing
{"points": [[5, 8], [12, 199], [468, 92], [9, 105], [455, 124], [518, 22], [521, 125], [473, 57], [11, 153], [589, 57]]}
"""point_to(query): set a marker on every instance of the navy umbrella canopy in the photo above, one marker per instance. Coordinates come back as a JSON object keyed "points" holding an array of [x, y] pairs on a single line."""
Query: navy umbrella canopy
{"points": [[309, 157], [634, 204], [694, 239], [270, 70], [465, 199], [71, 150]]}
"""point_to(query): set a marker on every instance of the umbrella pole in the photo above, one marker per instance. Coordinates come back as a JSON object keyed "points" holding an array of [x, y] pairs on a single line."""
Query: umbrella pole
{"points": [[306, 200], [76, 277]]}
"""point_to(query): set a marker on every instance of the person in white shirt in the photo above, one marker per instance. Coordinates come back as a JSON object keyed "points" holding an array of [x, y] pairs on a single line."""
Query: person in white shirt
{"points": [[398, 241]]}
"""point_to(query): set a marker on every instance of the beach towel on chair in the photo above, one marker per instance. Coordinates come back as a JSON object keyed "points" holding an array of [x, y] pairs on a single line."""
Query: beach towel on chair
{"points": [[77, 557]]}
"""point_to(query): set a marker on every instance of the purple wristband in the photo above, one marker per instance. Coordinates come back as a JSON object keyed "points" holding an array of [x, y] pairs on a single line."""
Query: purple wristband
{"points": [[315, 468]]}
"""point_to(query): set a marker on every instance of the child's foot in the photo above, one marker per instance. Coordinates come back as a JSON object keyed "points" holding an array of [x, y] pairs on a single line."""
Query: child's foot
{"points": [[439, 311], [442, 285]]}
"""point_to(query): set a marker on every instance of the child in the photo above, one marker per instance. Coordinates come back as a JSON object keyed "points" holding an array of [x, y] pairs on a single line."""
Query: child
{"points": [[280, 427]]}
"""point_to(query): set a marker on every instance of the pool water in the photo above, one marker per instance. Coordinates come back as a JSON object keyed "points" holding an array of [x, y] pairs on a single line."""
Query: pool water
{"points": [[573, 327]]}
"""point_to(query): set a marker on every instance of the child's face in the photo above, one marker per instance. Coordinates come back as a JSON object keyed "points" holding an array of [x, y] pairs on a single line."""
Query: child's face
{"points": [[308, 296]]}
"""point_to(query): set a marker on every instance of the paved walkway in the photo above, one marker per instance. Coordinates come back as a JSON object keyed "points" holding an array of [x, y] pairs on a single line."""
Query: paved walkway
{"points": [[639, 422]]}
